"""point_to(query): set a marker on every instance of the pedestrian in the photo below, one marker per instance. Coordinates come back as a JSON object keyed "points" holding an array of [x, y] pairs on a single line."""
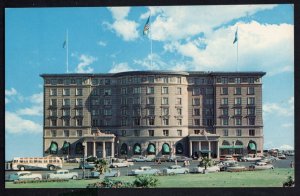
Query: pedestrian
{"points": [[292, 164], [184, 163], [125, 157], [175, 161], [158, 162]]}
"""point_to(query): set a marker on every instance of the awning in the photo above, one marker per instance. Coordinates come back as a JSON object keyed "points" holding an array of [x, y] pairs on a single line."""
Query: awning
{"points": [[252, 146], [151, 148], [205, 151], [66, 145], [231, 147], [137, 149], [166, 148], [53, 147]]}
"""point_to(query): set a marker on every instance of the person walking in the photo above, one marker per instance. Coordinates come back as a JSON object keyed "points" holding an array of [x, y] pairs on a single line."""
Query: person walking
{"points": [[175, 161], [292, 164]]}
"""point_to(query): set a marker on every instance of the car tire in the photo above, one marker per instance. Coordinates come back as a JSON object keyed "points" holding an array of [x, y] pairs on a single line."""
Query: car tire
{"points": [[115, 166], [74, 177], [51, 167], [186, 172], [37, 178], [22, 168]]}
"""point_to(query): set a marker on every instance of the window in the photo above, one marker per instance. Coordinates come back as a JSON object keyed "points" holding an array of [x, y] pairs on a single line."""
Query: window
{"points": [[79, 102], [165, 90], [224, 101], [53, 133], [151, 111], [238, 132], [123, 132], [238, 101], [237, 80], [151, 79], [196, 121], [150, 100], [179, 111], [53, 92], [124, 101], [79, 133], [107, 81], [225, 132], [209, 101], [196, 91], [224, 91], [179, 132], [165, 79], [95, 123], [53, 112], [107, 112], [151, 133], [178, 90], [196, 101], [225, 121], [79, 91], [150, 90], [251, 80], [66, 112], [178, 101], [66, 122], [224, 80], [209, 122], [79, 112], [178, 80], [165, 121], [165, 111], [123, 91], [78, 122], [238, 121], [136, 100], [179, 121], [124, 122], [53, 102], [196, 112], [238, 91], [166, 132], [136, 111], [53, 122], [250, 90], [196, 132], [53, 82], [66, 102], [238, 111], [107, 101], [251, 132], [225, 111], [251, 101], [165, 101], [136, 90], [209, 91], [107, 91], [94, 81], [251, 121], [66, 133], [79, 81], [124, 111], [151, 121], [137, 121], [66, 92], [136, 133]]}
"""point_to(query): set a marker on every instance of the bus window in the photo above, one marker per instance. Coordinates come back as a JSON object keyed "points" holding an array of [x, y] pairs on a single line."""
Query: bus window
{"points": [[15, 161], [50, 161], [45, 160]]}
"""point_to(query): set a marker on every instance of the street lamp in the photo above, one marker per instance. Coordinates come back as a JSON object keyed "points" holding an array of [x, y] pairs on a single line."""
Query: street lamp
{"points": [[233, 150], [83, 168], [118, 148]]}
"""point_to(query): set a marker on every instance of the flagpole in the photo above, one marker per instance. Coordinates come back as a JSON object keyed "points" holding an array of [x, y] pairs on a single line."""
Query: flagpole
{"points": [[67, 57], [150, 37], [237, 53]]}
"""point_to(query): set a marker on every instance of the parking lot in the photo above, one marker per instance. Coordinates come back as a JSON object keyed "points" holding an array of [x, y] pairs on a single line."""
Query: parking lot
{"points": [[284, 163]]}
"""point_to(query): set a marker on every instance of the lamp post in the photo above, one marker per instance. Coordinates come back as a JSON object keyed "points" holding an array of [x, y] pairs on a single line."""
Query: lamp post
{"points": [[118, 148], [83, 154], [233, 150]]}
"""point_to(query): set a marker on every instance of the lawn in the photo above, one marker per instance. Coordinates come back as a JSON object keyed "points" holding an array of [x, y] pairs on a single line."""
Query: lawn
{"points": [[266, 178]]}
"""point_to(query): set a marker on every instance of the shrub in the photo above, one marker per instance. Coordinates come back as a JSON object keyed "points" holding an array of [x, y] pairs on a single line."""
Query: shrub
{"points": [[108, 183], [289, 182], [145, 181]]}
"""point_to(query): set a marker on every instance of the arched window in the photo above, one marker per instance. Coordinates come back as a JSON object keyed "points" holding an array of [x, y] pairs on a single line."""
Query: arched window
{"points": [[151, 149], [238, 143], [66, 147], [225, 143], [179, 148], [252, 148], [165, 148], [137, 149], [53, 148], [124, 149], [79, 148]]}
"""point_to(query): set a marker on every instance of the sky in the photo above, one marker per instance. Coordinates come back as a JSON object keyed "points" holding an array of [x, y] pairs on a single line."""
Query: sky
{"points": [[107, 40]]}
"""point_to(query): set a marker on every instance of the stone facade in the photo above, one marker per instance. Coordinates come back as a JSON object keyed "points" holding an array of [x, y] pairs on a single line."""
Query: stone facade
{"points": [[153, 112]]}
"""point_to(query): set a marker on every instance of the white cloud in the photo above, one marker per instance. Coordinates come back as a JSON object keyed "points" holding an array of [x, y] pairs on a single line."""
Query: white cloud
{"points": [[121, 67], [31, 111], [7, 100], [102, 43], [10, 92], [123, 27], [16, 124], [85, 61], [280, 109], [286, 147], [156, 64], [37, 98]]}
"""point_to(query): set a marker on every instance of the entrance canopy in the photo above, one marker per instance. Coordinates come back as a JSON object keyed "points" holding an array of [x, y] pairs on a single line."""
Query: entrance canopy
{"points": [[231, 147], [166, 148], [252, 146], [151, 148], [137, 149]]}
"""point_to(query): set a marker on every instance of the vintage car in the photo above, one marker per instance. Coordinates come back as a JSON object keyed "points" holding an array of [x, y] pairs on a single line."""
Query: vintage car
{"points": [[24, 175], [144, 170], [141, 159], [179, 158], [109, 173], [199, 169], [63, 174], [120, 163], [234, 166], [87, 165], [175, 169], [226, 157], [281, 156], [250, 158], [261, 166], [162, 158]]}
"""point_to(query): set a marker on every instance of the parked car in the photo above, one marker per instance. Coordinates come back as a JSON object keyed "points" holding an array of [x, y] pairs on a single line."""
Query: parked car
{"points": [[24, 175], [224, 164], [141, 159], [121, 163], [234, 166], [175, 169], [63, 174], [281, 156], [87, 165], [162, 158], [290, 153], [261, 166], [249, 158], [144, 170], [74, 160], [180, 158], [226, 157], [110, 173], [199, 169], [239, 158]]}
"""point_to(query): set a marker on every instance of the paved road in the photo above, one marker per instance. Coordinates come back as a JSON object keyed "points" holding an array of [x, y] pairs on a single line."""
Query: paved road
{"points": [[285, 163]]}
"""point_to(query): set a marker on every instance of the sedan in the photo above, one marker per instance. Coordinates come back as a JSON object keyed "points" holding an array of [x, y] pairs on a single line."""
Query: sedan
{"points": [[208, 169], [145, 170], [24, 175], [110, 173], [180, 158], [261, 166], [163, 158], [87, 165], [141, 159], [175, 169]]}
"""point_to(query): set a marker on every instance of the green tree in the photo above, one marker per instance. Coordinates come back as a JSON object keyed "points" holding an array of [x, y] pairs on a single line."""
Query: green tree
{"points": [[101, 166], [145, 181], [206, 162]]}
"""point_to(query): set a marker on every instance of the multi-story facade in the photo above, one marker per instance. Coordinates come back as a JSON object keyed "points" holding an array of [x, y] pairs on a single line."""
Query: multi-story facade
{"points": [[153, 113]]}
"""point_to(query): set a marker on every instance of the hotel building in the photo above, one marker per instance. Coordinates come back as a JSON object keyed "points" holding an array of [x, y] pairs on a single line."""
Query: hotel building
{"points": [[153, 113]]}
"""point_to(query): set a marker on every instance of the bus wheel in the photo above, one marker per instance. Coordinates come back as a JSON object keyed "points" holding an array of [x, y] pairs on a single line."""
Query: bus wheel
{"points": [[22, 168], [51, 167], [74, 177]]}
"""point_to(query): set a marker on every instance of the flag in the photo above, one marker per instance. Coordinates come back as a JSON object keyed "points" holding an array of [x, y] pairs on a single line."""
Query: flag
{"points": [[147, 26], [64, 44], [235, 37]]}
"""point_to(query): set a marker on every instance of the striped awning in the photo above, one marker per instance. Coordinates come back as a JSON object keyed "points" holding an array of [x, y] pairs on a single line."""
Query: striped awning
{"points": [[151, 148], [231, 147]]}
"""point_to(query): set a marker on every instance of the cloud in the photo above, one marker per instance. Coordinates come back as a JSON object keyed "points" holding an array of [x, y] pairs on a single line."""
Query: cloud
{"points": [[121, 67], [7, 100], [16, 124], [123, 27], [156, 63], [10, 92], [102, 43], [281, 109], [31, 111], [287, 125], [286, 147], [85, 61], [12, 95]]}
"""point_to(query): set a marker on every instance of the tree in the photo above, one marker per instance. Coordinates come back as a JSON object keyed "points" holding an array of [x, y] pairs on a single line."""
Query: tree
{"points": [[145, 181], [101, 166], [205, 162]]}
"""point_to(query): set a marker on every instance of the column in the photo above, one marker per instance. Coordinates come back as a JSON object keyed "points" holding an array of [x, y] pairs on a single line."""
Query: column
{"points": [[94, 149], [200, 146], [217, 150], [209, 153], [191, 148], [85, 149], [113, 149], [103, 150]]}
